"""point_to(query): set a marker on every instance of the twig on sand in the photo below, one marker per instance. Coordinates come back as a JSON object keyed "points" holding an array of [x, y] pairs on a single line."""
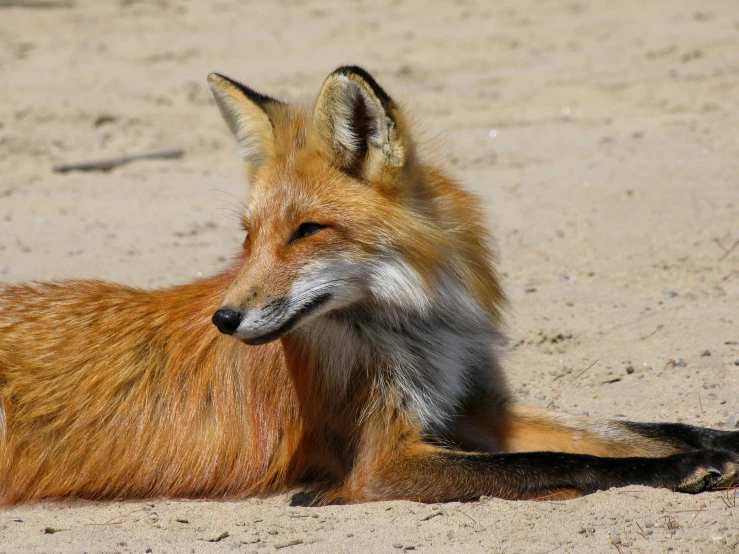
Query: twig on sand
{"points": [[467, 516], [696, 515], [568, 384], [727, 251], [37, 4], [645, 337], [730, 502], [112, 163], [112, 521]]}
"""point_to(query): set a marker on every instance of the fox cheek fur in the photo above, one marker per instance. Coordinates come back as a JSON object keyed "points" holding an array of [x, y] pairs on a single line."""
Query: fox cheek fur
{"points": [[352, 348]]}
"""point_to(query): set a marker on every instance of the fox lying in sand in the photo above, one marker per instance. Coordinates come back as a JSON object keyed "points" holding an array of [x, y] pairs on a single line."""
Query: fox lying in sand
{"points": [[353, 351]]}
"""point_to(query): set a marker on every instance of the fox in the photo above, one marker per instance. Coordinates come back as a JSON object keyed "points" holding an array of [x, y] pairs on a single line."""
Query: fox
{"points": [[353, 348]]}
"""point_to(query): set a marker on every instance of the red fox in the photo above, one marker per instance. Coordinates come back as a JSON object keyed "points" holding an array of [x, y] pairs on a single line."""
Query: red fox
{"points": [[351, 350]]}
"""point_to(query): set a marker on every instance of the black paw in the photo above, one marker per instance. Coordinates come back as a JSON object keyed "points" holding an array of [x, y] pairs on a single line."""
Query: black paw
{"points": [[704, 470]]}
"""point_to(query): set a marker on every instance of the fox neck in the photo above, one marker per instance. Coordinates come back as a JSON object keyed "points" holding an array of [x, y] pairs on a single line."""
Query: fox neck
{"points": [[429, 360]]}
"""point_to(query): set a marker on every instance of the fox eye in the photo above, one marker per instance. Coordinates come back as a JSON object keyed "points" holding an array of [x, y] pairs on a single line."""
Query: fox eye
{"points": [[306, 229]]}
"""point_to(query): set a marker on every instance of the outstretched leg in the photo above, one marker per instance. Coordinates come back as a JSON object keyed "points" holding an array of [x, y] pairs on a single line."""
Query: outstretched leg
{"points": [[547, 456], [430, 474], [529, 429]]}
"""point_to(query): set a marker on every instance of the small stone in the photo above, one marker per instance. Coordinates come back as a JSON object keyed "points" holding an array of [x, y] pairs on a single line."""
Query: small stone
{"points": [[104, 119], [397, 545], [235, 546], [705, 353], [181, 520], [287, 544], [629, 369], [681, 363], [51, 530], [736, 362], [219, 537]]}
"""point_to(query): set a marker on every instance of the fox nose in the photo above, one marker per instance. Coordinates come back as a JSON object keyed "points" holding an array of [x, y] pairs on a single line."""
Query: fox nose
{"points": [[227, 321]]}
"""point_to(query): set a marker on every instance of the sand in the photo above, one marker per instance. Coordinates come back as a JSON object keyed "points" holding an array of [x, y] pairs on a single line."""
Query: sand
{"points": [[602, 137]]}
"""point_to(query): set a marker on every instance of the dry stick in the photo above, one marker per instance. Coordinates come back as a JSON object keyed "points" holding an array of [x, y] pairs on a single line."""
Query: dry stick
{"points": [[41, 4], [111, 163], [554, 549], [112, 521], [727, 251], [645, 337], [465, 515], [696, 515], [730, 504], [568, 384]]}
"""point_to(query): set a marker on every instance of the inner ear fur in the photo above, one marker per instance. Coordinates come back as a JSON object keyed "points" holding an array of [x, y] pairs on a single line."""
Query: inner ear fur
{"points": [[358, 126], [249, 115]]}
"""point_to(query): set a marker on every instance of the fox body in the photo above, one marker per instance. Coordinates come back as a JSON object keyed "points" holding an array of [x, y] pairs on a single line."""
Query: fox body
{"points": [[353, 351]]}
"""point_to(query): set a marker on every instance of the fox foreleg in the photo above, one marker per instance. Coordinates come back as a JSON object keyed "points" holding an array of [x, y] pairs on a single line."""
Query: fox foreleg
{"points": [[440, 475]]}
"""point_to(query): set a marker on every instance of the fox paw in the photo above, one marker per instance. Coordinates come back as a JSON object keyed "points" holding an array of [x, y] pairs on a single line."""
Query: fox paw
{"points": [[714, 469]]}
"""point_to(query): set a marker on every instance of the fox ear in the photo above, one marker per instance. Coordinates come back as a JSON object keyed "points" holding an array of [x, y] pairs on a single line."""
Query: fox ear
{"points": [[357, 124], [248, 114]]}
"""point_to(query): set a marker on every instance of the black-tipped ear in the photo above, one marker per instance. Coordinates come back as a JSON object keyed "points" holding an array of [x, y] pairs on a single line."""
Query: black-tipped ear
{"points": [[248, 114], [358, 124]]}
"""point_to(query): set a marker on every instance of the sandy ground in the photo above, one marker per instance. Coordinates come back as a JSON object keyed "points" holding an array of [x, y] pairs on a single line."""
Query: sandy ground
{"points": [[602, 136]]}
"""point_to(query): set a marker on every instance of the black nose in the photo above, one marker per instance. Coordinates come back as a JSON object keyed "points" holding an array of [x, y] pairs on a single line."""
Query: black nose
{"points": [[227, 321]]}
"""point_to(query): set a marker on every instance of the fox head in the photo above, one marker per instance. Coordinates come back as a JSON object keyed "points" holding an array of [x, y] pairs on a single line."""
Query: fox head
{"points": [[341, 212]]}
